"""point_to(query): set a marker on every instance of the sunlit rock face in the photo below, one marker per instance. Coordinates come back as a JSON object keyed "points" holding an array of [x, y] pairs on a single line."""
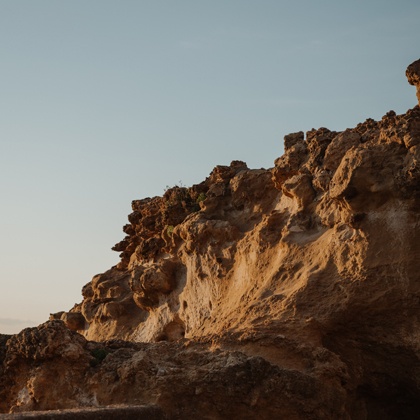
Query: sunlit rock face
{"points": [[290, 292]]}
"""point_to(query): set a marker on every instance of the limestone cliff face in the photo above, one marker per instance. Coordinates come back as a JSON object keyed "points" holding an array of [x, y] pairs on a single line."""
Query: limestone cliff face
{"points": [[242, 250], [292, 291]]}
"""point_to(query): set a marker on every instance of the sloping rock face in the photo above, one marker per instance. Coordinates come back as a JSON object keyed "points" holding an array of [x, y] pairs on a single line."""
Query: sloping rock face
{"points": [[292, 292]]}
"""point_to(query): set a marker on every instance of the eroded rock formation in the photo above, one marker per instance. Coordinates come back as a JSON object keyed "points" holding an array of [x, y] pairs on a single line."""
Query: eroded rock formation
{"points": [[413, 76], [292, 292]]}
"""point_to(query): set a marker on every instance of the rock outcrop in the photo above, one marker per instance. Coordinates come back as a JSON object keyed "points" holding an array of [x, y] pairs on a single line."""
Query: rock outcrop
{"points": [[413, 76], [291, 292]]}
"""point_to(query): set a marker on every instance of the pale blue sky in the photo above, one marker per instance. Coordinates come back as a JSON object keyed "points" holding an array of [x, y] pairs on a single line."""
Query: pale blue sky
{"points": [[103, 102]]}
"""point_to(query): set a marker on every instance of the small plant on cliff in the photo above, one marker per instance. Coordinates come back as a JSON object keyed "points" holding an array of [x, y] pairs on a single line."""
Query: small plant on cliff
{"points": [[170, 230], [201, 197]]}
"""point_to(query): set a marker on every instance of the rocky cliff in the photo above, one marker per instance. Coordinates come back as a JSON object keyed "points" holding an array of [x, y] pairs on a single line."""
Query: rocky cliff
{"points": [[292, 292]]}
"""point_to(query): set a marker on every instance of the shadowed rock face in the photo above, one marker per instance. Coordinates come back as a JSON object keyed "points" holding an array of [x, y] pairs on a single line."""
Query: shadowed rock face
{"points": [[291, 292]]}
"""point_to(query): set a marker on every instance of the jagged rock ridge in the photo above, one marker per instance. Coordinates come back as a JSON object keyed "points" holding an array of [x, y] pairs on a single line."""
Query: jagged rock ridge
{"points": [[290, 292]]}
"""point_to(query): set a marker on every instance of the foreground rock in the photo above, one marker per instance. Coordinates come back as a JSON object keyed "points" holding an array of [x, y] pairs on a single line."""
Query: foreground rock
{"points": [[118, 412], [291, 292], [186, 380]]}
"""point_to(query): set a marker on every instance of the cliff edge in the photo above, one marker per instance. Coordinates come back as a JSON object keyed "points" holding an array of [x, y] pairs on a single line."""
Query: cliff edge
{"points": [[290, 292]]}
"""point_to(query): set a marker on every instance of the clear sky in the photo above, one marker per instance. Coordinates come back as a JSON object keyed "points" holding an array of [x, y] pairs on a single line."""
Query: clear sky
{"points": [[103, 102]]}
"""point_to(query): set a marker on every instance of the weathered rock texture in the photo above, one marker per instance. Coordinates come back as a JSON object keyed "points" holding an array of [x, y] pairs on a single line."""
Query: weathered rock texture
{"points": [[292, 292]]}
